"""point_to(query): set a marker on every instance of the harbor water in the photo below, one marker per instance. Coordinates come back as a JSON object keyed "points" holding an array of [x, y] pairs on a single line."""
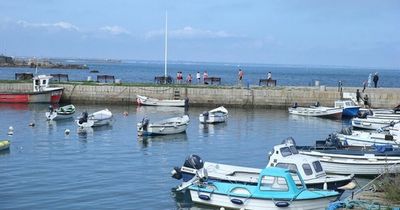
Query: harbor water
{"points": [[111, 168]]}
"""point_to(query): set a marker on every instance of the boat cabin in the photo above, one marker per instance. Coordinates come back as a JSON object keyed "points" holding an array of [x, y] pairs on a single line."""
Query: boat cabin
{"points": [[280, 180], [345, 104], [41, 83], [287, 156]]}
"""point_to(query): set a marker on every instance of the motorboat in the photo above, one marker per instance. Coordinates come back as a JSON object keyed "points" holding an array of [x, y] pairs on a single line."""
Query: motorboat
{"points": [[147, 101], [41, 93], [172, 125], [60, 113], [283, 156], [317, 111], [100, 118], [216, 115], [276, 189], [350, 109], [4, 145], [373, 123], [340, 159], [367, 139]]}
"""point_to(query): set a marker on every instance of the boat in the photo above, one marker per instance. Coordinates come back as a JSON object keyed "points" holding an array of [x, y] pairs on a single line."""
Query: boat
{"points": [[216, 115], [103, 117], [275, 189], [373, 123], [283, 156], [317, 111], [143, 100], [350, 109], [4, 145], [172, 125], [41, 93], [339, 159], [63, 112], [368, 139]]}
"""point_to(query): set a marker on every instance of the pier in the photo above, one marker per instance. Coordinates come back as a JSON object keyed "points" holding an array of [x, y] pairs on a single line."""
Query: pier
{"points": [[201, 95]]}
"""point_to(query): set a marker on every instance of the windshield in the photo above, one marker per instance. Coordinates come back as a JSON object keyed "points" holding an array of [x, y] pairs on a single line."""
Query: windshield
{"points": [[273, 183]]}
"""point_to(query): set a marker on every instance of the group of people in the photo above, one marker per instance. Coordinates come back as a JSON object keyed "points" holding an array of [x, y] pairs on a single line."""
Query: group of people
{"points": [[241, 74], [189, 78], [371, 79], [365, 99]]}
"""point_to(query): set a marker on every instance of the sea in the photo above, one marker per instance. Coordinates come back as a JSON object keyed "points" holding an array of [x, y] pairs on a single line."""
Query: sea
{"points": [[110, 167]]}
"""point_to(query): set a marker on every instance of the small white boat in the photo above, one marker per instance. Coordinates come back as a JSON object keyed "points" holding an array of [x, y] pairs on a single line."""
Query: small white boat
{"points": [[64, 112], [275, 190], [168, 126], [217, 115], [367, 139], [143, 100], [317, 111], [103, 117], [373, 123]]}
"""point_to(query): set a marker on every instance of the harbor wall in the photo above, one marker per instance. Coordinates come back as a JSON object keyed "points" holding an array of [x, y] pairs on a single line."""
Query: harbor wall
{"points": [[230, 96]]}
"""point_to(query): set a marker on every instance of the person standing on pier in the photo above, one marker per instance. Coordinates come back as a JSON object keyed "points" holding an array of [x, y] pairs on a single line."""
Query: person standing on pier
{"points": [[240, 76], [366, 102], [205, 77], [364, 85], [189, 79], [269, 76], [358, 96], [375, 79], [198, 77], [369, 79]]}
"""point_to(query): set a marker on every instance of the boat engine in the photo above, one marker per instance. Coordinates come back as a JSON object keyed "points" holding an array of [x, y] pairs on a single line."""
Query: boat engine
{"points": [[145, 123], [364, 114], [83, 118], [333, 141], [346, 131], [396, 109], [194, 161], [205, 116]]}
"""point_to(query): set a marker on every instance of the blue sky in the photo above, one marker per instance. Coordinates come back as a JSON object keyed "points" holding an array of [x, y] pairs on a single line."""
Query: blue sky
{"points": [[361, 33]]}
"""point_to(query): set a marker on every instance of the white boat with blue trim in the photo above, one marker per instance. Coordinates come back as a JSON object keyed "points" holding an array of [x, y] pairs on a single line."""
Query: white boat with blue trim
{"points": [[275, 189], [368, 139], [147, 101], [60, 113], [100, 118], [349, 108], [216, 115], [317, 111], [172, 125]]}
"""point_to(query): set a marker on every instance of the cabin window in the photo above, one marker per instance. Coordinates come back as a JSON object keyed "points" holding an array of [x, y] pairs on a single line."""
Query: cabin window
{"points": [[37, 82], [317, 166], [307, 169], [297, 180], [273, 183], [289, 166], [44, 82], [285, 151], [294, 150]]}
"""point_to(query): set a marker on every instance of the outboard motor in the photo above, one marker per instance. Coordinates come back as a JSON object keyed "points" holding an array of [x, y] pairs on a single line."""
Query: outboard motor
{"points": [[295, 105], [194, 161], [202, 174], [83, 118], [176, 173], [289, 140], [205, 116], [316, 104], [396, 109], [51, 109], [333, 141], [145, 123], [346, 131]]}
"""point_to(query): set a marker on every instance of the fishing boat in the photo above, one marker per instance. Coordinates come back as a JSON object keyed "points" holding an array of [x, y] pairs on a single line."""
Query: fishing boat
{"points": [[373, 123], [60, 113], [350, 109], [216, 115], [41, 93], [275, 189], [172, 125], [368, 139], [143, 100], [283, 156], [338, 159], [103, 117], [4, 145], [317, 111]]}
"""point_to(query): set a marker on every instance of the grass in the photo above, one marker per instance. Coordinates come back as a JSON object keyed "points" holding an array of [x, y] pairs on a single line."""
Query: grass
{"points": [[390, 185]]}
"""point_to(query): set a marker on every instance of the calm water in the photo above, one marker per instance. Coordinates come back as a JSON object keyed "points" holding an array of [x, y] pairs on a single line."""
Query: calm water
{"points": [[297, 76], [109, 168]]}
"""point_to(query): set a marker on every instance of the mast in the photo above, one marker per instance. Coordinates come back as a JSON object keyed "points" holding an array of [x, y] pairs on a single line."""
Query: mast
{"points": [[166, 46]]}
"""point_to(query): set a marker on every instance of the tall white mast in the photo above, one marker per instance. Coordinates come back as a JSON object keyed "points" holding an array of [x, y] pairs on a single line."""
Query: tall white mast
{"points": [[166, 46]]}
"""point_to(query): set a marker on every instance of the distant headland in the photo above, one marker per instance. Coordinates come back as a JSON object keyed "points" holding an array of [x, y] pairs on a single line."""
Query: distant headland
{"points": [[7, 61]]}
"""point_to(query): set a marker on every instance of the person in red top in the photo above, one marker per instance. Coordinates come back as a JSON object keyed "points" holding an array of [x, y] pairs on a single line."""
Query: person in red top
{"points": [[205, 76], [240, 76]]}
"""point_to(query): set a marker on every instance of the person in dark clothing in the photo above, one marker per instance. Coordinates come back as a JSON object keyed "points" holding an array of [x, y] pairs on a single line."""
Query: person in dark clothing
{"points": [[366, 102], [358, 96], [375, 79]]}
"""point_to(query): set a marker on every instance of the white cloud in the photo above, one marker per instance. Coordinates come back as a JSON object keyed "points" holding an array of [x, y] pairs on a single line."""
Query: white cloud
{"points": [[115, 30], [58, 25], [189, 32]]}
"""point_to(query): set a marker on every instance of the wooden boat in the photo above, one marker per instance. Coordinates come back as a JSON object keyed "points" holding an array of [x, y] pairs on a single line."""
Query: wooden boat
{"points": [[317, 111], [41, 93], [283, 156], [275, 189], [168, 126], [103, 117], [216, 115], [372, 123], [143, 100], [4, 145], [64, 112], [350, 109], [337, 159]]}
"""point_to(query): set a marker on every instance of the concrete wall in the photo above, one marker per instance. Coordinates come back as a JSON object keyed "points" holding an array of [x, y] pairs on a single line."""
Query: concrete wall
{"points": [[225, 95]]}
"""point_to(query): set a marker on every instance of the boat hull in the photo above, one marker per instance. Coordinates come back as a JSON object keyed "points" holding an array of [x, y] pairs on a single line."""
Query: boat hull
{"points": [[142, 100], [350, 112], [50, 96], [4, 145], [326, 112], [213, 118], [371, 124]]}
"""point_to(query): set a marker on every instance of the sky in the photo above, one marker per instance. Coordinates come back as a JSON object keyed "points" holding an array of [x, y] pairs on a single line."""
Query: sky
{"points": [[361, 33]]}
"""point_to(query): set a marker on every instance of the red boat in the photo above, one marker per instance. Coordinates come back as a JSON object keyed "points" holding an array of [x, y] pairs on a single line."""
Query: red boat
{"points": [[41, 93]]}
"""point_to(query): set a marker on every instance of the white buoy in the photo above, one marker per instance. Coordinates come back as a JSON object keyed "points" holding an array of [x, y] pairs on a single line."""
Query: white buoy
{"points": [[10, 131], [10, 128], [32, 124], [222, 208], [67, 131]]}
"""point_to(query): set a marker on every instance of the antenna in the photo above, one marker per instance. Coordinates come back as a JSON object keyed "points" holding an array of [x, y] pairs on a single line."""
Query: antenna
{"points": [[166, 46]]}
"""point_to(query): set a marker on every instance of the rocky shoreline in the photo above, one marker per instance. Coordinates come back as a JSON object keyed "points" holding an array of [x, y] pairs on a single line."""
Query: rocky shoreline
{"points": [[6, 61]]}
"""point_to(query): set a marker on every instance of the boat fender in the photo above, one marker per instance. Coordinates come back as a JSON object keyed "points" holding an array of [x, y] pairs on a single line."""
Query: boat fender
{"points": [[237, 201], [204, 197], [67, 131], [32, 124], [282, 204], [176, 173]]}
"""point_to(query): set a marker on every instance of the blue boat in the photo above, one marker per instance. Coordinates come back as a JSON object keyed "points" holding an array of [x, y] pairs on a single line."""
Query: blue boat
{"points": [[350, 109], [275, 189]]}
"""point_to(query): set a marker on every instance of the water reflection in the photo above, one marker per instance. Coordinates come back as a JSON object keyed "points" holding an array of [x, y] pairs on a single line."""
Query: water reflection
{"points": [[211, 128], [146, 141], [157, 110]]}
